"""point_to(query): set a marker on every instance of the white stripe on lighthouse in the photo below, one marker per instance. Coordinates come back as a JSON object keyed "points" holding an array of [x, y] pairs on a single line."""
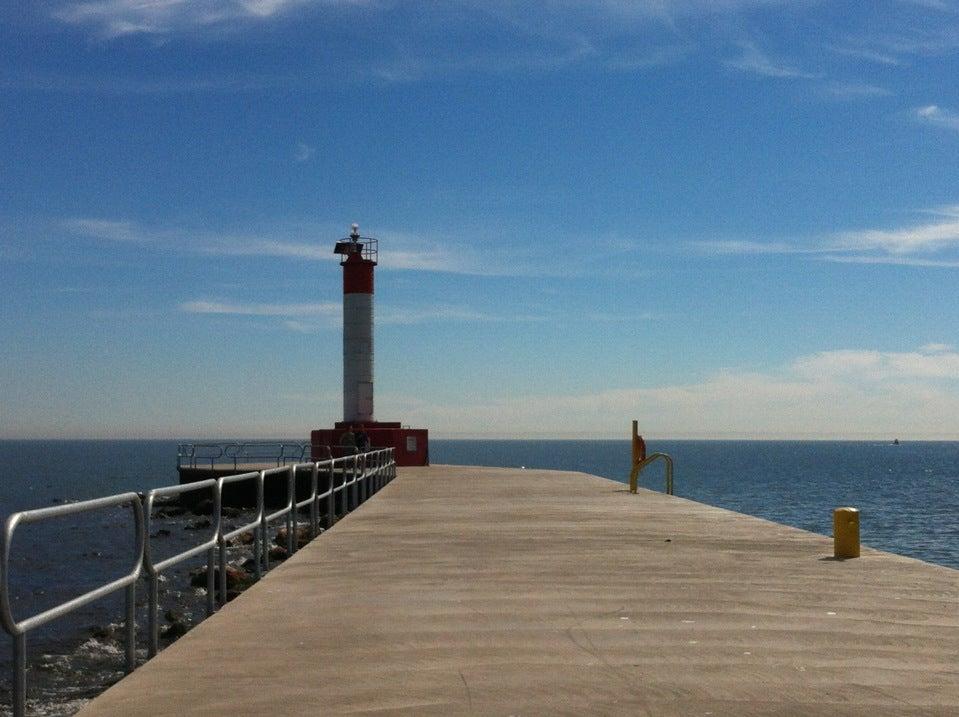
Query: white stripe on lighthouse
{"points": [[357, 357]]}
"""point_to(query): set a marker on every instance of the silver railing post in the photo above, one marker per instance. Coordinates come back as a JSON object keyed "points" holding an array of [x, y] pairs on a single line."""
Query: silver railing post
{"points": [[258, 554], [153, 622], [314, 508], [251, 527], [153, 569], [330, 499], [20, 675], [131, 628], [291, 522], [355, 489], [210, 575], [264, 531], [364, 475]]}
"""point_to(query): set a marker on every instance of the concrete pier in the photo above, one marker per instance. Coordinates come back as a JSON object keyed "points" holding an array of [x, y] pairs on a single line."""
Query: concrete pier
{"points": [[509, 592]]}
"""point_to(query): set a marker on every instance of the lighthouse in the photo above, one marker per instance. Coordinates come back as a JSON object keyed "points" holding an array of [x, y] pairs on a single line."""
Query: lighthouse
{"points": [[358, 258]]}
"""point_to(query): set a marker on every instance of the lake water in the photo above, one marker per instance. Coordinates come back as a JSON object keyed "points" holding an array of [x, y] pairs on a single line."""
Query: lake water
{"points": [[908, 495]]}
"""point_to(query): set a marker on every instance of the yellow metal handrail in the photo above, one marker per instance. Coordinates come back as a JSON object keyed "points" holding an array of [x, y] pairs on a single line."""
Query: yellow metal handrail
{"points": [[641, 460], [637, 469]]}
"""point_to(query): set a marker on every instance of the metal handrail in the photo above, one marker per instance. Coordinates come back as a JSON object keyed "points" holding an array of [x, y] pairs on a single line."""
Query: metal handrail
{"points": [[18, 629], [153, 569], [253, 526], [311, 502], [637, 469], [280, 453], [285, 512], [188, 451], [368, 472]]}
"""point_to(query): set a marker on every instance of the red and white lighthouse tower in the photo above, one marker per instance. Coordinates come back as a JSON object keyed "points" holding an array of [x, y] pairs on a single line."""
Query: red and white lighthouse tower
{"points": [[359, 258]]}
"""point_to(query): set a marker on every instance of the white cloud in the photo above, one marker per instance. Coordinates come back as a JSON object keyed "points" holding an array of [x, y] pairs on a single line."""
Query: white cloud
{"points": [[109, 230], [733, 246], [116, 18], [327, 309], [933, 114], [917, 238], [832, 394], [247, 246], [303, 152], [753, 60], [936, 348], [879, 58], [890, 260], [398, 250], [859, 365], [302, 327], [855, 90], [397, 315], [644, 58], [907, 246], [308, 318]]}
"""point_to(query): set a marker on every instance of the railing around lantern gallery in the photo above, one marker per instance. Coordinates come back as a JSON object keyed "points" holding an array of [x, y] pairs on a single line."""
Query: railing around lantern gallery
{"points": [[346, 483]]}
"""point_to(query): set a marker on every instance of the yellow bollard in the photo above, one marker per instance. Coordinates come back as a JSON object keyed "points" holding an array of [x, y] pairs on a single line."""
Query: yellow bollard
{"points": [[845, 532]]}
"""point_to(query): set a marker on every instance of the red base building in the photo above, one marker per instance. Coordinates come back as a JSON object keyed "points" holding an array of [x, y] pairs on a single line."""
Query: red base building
{"points": [[411, 445]]}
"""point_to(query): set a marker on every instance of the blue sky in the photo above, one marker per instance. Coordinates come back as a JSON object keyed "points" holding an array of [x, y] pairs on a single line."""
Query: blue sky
{"points": [[721, 218]]}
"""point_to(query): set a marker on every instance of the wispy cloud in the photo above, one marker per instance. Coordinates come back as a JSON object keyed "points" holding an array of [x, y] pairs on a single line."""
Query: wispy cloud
{"points": [[838, 393], [908, 240], [308, 318], [733, 247], [933, 114], [892, 260], [855, 90], [401, 251], [109, 230], [107, 83], [327, 309], [250, 246], [873, 56], [906, 246], [644, 58], [755, 61], [502, 35], [870, 366], [397, 315], [303, 152], [116, 18]]}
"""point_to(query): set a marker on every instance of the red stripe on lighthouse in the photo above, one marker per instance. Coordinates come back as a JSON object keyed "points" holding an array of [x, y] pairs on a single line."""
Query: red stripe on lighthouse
{"points": [[357, 276]]}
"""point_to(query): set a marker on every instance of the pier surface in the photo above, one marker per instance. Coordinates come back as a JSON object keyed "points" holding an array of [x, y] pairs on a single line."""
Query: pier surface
{"points": [[462, 590]]}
